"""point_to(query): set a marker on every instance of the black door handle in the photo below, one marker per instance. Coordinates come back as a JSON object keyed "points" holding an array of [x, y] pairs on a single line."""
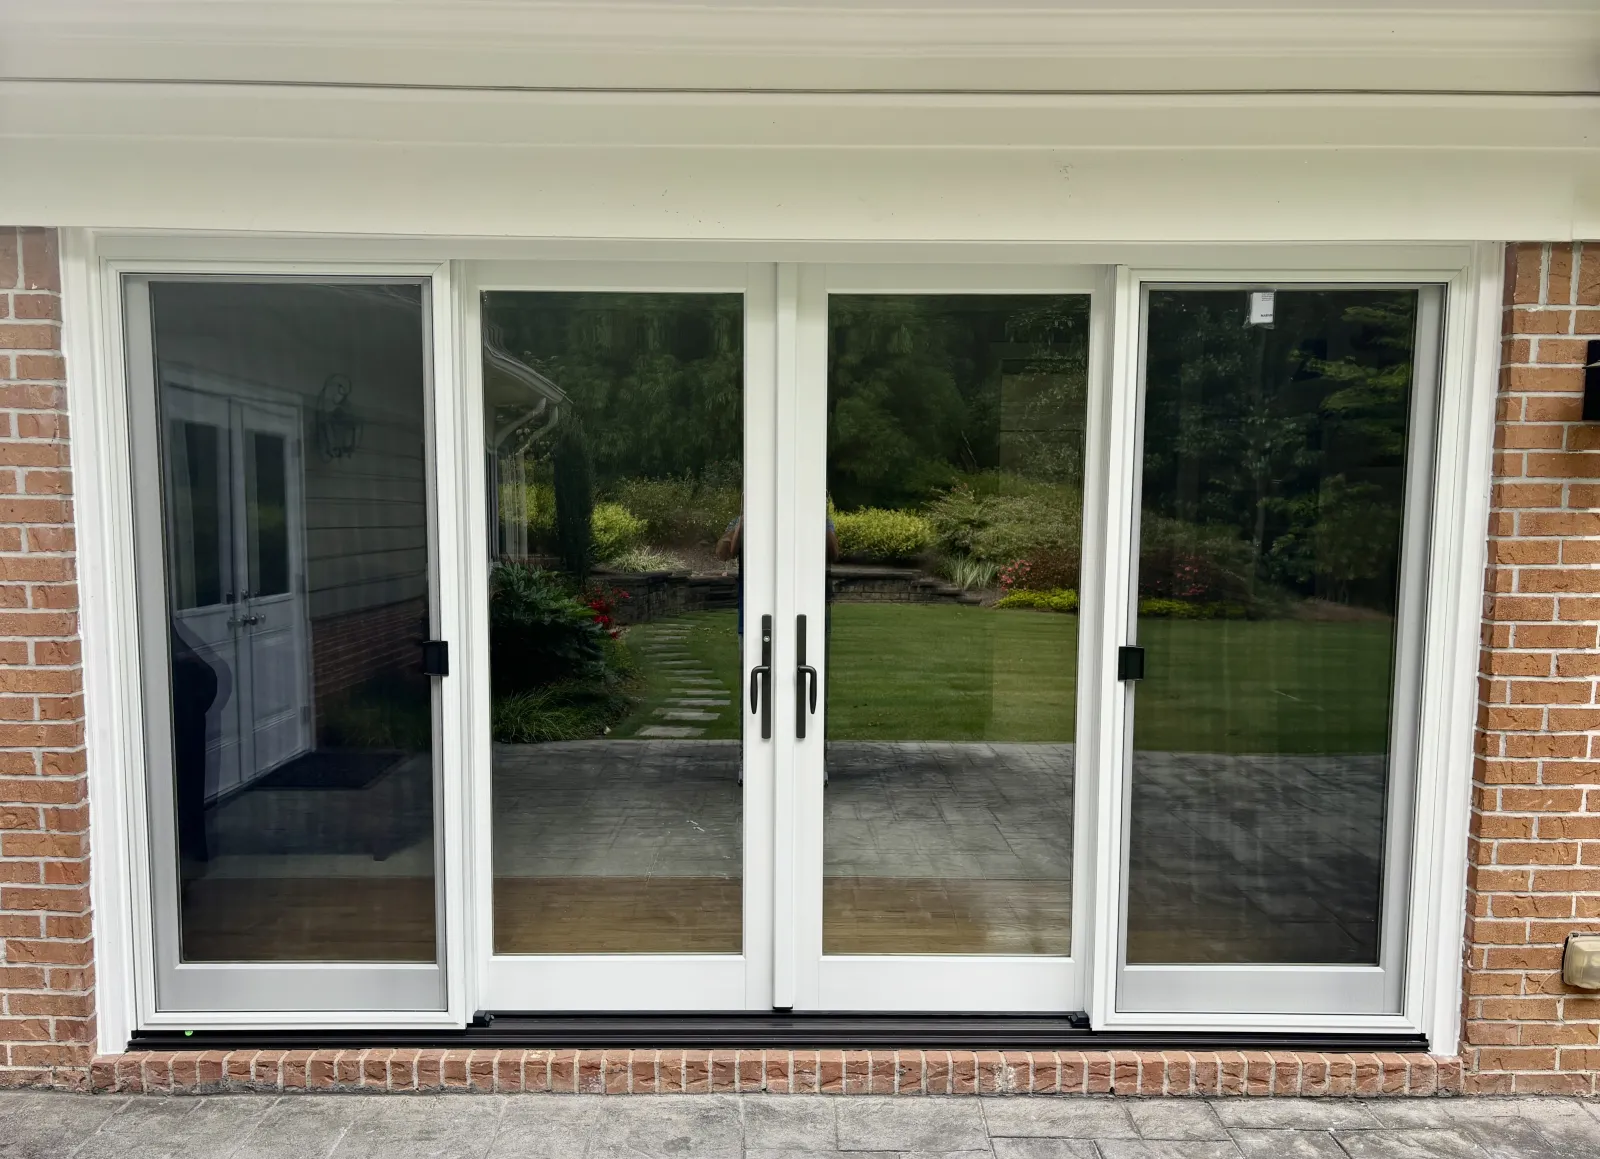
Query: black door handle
{"points": [[761, 680], [1130, 663], [804, 675]]}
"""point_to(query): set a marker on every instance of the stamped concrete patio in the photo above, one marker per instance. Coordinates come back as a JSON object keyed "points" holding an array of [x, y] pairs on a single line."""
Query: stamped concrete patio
{"points": [[62, 1126]]}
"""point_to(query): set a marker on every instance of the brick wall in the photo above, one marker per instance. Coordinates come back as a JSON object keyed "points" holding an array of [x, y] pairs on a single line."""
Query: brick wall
{"points": [[1535, 851], [350, 649], [46, 973]]}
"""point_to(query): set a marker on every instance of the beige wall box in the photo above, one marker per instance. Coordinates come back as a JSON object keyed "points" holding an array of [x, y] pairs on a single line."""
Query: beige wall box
{"points": [[1580, 965]]}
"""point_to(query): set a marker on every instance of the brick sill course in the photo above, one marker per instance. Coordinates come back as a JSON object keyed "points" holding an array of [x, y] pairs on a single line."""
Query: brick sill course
{"points": [[841, 1072]]}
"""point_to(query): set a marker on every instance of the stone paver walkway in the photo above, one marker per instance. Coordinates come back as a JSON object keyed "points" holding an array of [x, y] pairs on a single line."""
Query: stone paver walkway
{"points": [[47, 1126]]}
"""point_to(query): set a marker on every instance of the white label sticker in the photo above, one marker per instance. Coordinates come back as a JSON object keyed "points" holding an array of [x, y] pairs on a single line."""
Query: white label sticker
{"points": [[1261, 303]]}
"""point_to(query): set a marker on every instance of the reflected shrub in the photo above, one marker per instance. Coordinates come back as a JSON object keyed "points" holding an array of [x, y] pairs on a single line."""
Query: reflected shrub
{"points": [[881, 535], [1193, 562], [968, 574], [1050, 600], [1164, 609], [570, 710], [391, 711], [540, 633], [1001, 527], [614, 529], [681, 512], [647, 559]]}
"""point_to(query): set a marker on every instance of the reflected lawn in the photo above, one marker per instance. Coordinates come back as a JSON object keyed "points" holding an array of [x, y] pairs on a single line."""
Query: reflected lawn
{"points": [[957, 673], [952, 672]]}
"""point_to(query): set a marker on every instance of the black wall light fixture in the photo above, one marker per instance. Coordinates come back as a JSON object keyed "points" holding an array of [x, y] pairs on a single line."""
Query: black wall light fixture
{"points": [[1591, 383], [338, 429]]}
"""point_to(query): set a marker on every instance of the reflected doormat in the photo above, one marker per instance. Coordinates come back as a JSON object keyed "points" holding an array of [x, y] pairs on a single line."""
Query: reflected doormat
{"points": [[331, 769]]}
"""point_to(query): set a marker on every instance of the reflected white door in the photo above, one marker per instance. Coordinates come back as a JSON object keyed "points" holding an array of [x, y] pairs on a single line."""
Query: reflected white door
{"points": [[234, 490], [272, 624]]}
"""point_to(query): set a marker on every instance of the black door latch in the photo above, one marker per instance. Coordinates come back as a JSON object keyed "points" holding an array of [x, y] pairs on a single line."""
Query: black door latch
{"points": [[435, 658], [1130, 663]]}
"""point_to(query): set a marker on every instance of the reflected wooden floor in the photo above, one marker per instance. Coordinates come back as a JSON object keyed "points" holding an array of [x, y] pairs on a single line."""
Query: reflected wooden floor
{"points": [[895, 915], [392, 918], [307, 919]]}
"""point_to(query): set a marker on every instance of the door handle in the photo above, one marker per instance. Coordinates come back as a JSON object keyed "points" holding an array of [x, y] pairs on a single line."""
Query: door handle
{"points": [[761, 680], [804, 676]]}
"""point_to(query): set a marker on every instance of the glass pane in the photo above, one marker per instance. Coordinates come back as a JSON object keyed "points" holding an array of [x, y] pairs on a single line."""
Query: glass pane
{"points": [[1269, 546], [197, 518], [615, 434], [302, 724], [266, 513], [955, 471]]}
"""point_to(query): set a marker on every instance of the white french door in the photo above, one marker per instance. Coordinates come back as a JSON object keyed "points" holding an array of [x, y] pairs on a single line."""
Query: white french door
{"points": [[621, 782], [930, 789], [841, 778]]}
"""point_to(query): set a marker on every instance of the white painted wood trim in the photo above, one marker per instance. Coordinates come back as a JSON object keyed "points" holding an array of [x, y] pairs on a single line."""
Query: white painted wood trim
{"points": [[1448, 707], [1175, 44]]}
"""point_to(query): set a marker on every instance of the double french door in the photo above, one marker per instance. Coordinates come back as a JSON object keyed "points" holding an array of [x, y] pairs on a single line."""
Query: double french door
{"points": [[925, 662], [815, 638]]}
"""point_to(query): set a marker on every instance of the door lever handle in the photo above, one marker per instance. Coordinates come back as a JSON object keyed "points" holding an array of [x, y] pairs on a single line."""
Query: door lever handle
{"points": [[761, 680], [805, 678]]}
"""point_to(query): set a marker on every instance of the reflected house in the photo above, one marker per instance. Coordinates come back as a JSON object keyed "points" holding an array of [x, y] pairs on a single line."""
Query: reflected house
{"points": [[520, 406]]}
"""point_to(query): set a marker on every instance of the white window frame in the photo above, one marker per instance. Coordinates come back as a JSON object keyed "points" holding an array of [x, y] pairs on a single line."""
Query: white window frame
{"points": [[92, 262]]}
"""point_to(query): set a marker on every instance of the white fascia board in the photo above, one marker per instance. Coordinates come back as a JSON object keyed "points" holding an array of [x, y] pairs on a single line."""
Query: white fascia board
{"points": [[1445, 45], [1117, 122], [1036, 196]]}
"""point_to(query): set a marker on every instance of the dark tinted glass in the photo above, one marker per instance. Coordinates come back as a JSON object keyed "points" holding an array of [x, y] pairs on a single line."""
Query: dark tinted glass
{"points": [[297, 538], [615, 443], [955, 470], [1269, 547]]}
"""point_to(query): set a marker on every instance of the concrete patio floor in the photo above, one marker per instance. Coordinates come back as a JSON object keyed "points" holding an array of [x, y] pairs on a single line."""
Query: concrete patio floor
{"points": [[38, 1125]]}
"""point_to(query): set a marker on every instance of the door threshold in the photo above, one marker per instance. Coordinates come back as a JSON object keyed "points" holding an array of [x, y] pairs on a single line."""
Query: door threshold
{"points": [[492, 1029]]}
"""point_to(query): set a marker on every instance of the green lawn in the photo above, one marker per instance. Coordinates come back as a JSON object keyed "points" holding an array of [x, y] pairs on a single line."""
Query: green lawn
{"points": [[951, 672]]}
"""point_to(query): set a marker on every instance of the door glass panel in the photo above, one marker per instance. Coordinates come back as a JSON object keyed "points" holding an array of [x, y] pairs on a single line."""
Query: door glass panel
{"points": [[955, 475], [1269, 545], [302, 725], [198, 513], [266, 512], [614, 424]]}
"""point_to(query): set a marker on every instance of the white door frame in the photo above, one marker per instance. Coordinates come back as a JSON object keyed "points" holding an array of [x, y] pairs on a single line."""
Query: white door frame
{"points": [[94, 261], [1441, 581], [607, 982]]}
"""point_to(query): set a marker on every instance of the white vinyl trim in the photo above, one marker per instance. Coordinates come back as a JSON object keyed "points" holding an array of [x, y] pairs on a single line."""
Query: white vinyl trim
{"points": [[94, 343]]}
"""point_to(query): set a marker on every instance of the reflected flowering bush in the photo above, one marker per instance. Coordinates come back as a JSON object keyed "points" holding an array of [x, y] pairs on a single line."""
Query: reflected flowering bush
{"points": [[603, 600]]}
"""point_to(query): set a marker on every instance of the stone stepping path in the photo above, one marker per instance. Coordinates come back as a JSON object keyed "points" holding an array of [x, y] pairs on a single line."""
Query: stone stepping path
{"points": [[697, 697]]}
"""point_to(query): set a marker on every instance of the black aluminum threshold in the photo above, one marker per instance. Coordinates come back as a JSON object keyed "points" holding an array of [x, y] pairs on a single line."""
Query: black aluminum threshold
{"points": [[511, 1029]]}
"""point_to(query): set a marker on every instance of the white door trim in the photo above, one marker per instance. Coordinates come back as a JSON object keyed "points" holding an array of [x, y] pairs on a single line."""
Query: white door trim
{"points": [[94, 344]]}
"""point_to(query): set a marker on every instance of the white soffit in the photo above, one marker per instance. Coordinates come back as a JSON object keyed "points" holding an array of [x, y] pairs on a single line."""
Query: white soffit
{"points": [[1030, 45], [933, 120]]}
